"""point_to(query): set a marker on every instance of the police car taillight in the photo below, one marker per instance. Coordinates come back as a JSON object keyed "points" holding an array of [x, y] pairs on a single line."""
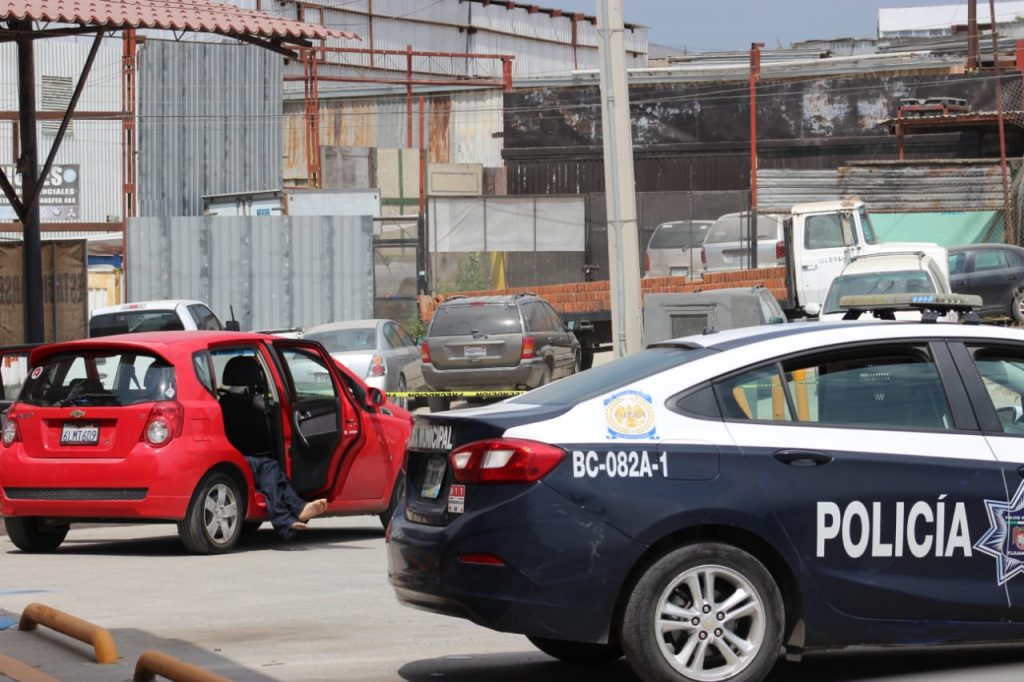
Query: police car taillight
{"points": [[165, 422], [425, 351], [504, 460]]}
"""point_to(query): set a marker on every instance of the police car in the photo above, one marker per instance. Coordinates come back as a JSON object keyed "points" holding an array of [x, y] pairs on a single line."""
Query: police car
{"points": [[714, 501]]}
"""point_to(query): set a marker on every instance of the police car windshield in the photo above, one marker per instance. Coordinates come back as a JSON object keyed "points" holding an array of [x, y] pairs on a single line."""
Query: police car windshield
{"points": [[606, 378]]}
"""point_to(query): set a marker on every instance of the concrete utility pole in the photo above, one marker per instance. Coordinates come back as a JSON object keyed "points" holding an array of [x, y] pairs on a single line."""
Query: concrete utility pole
{"points": [[620, 189]]}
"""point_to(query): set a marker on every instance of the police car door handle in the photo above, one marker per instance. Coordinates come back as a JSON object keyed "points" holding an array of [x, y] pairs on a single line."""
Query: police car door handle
{"points": [[802, 458]]}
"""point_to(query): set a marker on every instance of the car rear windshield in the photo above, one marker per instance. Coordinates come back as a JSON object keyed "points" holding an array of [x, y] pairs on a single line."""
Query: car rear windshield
{"points": [[476, 318], [344, 340], [735, 229], [614, 375], [684, 234], [898, 282], [98, 377], [130, 321]]}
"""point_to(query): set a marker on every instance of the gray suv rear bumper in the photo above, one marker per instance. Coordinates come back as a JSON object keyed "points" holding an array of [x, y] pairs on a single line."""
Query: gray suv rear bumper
{"points": [[527, 373]]}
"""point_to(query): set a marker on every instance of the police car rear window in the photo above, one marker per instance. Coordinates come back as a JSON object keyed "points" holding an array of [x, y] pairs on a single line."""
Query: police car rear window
{"points": [[616, 374]]}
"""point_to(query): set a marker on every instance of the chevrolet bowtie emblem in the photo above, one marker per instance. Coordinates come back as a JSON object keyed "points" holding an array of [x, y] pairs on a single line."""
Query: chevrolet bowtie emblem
{"points": [[77, 414]]}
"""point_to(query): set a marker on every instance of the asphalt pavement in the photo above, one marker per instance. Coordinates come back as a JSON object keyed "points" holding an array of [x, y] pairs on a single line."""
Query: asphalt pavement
{"points": [[320, 608]]}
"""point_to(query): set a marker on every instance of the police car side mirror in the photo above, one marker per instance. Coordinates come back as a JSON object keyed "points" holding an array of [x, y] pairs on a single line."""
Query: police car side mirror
{"points": [[812, 309]]}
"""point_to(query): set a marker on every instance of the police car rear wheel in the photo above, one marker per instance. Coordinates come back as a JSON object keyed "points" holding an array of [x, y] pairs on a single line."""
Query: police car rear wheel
{"points": [[581, 653], [705, 612]]}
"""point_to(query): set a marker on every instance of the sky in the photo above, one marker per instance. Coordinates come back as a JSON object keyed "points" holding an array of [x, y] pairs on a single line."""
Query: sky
{"points": [[704, 25]]}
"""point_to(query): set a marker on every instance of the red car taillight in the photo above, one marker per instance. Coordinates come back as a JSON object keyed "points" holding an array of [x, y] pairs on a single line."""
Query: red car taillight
{"points": [[11, 434], [425, 351], [165, 421], [504, 460], [529, 348], [377, 367], [780, 250]]}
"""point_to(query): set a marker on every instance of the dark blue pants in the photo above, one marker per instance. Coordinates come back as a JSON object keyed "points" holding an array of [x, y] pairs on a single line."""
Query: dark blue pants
{"points": [[283, 504]]}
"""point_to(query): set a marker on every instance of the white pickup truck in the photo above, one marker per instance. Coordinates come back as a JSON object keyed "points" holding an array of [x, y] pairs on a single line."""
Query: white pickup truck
{"points": [[822, 237], [152, 316]]}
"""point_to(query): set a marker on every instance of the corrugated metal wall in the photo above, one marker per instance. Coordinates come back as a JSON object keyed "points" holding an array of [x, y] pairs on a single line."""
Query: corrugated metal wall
{"points": [[209, 123], [276, 272], [94, 145], [542, 43], [969, 185]]}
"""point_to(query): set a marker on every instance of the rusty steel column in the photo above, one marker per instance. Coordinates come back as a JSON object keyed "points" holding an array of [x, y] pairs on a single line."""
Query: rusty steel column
{"points": [[1010, 227], [408, 95], [506, 73], [423, 159], [755, 77], [973, 59]]}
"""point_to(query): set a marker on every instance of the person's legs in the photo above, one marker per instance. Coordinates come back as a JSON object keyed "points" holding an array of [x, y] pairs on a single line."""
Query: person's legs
{"points": [[283, 504]]}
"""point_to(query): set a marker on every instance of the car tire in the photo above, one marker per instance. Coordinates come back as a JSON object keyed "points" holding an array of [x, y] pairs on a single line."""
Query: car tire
{"points": [[1017, 307], [579, 653], [438, 403], [396, 495], [577, 363], [33, 534], [665, 594], [214, 520], [402, 402]]}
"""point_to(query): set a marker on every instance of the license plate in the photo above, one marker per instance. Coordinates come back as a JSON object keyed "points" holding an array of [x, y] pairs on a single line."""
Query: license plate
{"points": [[474, 352], [80, 434], [431, 487]]}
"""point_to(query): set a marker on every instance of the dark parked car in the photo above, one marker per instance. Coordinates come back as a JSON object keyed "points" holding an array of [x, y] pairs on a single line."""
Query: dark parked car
{"points": [[993, 271], [496, 343]]}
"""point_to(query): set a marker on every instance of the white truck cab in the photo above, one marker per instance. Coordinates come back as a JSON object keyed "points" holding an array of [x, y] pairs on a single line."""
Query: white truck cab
{"points": [[151, 316], [826, 235]]}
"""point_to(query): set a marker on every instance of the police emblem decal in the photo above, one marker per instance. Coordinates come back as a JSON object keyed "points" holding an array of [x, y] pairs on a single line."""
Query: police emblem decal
{"points": [[629, 415], [1004, 540]]}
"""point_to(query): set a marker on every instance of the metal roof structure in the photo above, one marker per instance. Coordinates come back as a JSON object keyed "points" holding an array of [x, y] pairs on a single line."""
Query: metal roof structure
{"points": [[195, 16], [30, 20]]}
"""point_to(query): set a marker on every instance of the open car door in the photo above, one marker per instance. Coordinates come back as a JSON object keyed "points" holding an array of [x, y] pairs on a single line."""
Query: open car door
{"points": [[315, 412], [13, 372]]}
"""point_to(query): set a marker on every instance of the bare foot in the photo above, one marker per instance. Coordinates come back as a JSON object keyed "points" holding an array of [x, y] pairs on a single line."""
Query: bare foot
{"points": [[299, 525], [312, 510]]}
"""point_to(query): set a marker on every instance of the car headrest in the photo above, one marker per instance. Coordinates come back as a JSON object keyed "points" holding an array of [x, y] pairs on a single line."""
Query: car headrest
{"points": [[243, 371], [157, 378]]}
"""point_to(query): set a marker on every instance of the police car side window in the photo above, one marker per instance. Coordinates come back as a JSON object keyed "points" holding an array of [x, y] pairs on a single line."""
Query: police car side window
{"points": [[756, 395], [1002, 373], [895, 388]]}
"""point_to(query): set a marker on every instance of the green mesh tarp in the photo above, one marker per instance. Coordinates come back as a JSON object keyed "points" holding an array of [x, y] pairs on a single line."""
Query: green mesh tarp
{"points": [[946, 228]]}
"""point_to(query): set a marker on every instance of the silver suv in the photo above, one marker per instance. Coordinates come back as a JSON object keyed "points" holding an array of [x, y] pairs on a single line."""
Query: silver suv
{"points": [[727, 246], [674, 249], [496, 343]]}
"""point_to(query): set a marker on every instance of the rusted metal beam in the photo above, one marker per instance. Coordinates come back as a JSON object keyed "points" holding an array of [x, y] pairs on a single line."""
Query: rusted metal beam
{"points": [[84, 631], [59, 115], [392, 81]]}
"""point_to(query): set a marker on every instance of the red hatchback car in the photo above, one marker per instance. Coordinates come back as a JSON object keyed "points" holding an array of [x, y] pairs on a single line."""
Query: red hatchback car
{"points": [[153, 427]]}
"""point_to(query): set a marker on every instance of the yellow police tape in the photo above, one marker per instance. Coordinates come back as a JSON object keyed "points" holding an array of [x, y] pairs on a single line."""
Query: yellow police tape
{"points": [[452, 394]]}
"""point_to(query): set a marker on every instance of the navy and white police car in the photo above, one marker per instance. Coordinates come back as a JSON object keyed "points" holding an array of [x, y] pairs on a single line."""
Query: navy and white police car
{"points": [[710, 502]]}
